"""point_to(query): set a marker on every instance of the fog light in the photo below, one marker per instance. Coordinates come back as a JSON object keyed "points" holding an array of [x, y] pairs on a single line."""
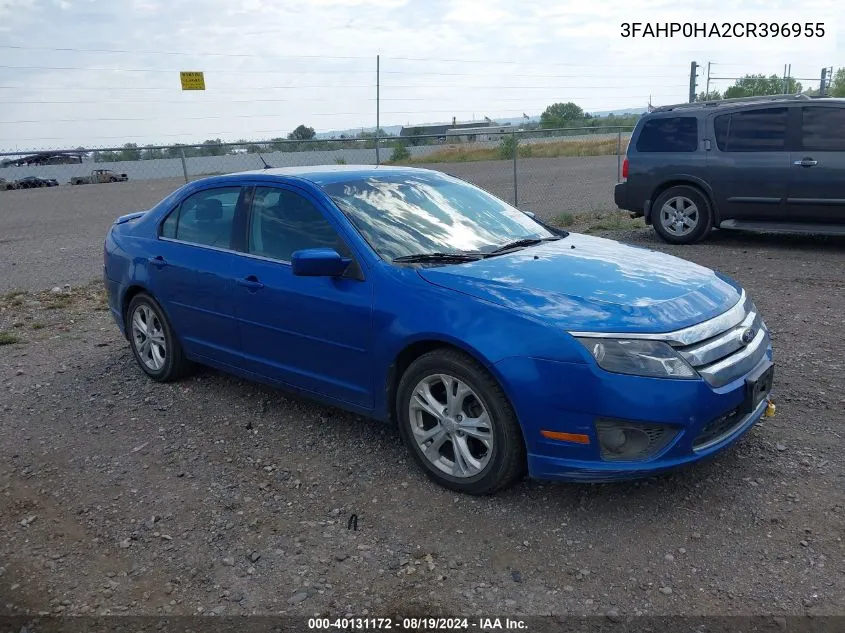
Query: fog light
{"points": [[621, 440], [613, 439]]}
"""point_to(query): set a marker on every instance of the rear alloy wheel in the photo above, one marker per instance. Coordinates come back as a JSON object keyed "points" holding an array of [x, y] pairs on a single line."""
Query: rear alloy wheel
{"points": [[153, 342], [457, 422], [681, 215]]}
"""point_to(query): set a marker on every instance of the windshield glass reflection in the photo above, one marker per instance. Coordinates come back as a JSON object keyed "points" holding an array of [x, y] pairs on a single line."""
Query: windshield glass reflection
{"points": [[406, 214]]}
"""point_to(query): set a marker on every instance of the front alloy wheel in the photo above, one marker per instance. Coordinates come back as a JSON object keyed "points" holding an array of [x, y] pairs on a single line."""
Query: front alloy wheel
{"points": [[457, 422], [451, 426]]}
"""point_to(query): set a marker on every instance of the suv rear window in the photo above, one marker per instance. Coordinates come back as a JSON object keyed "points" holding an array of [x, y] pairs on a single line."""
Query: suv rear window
{"points": [[669, 134], [752, 131], [823, 129]]}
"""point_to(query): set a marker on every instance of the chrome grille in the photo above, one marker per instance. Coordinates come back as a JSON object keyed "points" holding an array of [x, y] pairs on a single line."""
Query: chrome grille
{"points": [[714, 347], [725, 356]]}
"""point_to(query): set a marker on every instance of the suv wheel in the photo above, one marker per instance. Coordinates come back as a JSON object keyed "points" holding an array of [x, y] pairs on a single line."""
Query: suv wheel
{"points": [[681, 215]]}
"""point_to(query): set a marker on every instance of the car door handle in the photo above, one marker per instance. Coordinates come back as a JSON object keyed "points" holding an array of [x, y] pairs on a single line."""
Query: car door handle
{"points": [[158, 261], [251, 283], [805, 162]]}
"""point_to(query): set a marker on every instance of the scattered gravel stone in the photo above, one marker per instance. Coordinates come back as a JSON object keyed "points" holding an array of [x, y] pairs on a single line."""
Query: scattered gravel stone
{"points": [[119, 533]]}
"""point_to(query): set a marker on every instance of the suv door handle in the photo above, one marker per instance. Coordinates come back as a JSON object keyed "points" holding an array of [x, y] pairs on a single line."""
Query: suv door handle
{"points": [[158, 261], [251, 283], [805, 162]]}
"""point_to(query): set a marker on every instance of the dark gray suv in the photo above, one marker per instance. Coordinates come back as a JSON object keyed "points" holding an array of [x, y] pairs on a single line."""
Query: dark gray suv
{"points": [[764, 163]]}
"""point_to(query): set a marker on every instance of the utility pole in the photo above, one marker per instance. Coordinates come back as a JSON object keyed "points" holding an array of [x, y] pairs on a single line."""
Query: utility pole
{"points": [[783, 89], [693, 71], [707, 89], [378, 110], [822, 83]]}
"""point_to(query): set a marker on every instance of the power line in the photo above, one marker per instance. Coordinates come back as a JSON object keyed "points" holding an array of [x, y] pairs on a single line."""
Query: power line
{"points": [[488, 61], [187, 53], [252, 116], [303, 72], [339, 86], [441, 74], [344, 57], [216, 101], [113, 89], [162, 70]]}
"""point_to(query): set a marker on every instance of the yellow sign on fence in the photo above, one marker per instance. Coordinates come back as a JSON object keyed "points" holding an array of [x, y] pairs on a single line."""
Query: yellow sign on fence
{"points": [[192, 80]]}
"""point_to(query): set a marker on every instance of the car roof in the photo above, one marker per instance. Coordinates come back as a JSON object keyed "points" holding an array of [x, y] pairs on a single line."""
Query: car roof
{"points": [[322, 174], [742, 102]]}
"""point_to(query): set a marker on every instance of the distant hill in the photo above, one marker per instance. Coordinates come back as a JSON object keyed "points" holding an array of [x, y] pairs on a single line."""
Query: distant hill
{"points": [[515, 121], [355, 131], [620, 111]]}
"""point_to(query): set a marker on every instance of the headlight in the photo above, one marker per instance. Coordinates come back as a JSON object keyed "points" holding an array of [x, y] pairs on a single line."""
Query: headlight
{"points": [[638, 357]]}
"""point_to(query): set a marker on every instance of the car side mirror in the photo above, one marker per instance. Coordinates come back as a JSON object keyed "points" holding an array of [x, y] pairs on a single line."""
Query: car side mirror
{"points": [[319, 262]]}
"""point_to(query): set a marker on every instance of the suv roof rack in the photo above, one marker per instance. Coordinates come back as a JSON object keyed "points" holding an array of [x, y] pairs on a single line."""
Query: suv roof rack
{"points": [[718, 102]]}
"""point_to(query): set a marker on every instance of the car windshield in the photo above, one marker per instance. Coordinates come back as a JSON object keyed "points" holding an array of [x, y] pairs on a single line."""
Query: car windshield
{"points": [[411, 214]]}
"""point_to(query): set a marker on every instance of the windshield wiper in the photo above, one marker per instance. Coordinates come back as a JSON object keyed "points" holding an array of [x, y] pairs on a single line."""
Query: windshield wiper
{"points": [[436, 257], [527, 241]]}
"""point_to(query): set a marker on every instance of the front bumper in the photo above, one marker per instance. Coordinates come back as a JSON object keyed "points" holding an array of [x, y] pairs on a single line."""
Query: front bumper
{"points": [[569, 397], [546, 467]]}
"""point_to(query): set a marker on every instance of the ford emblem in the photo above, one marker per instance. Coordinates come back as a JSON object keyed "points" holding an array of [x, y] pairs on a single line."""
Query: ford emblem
{"points": [[747, 335]]}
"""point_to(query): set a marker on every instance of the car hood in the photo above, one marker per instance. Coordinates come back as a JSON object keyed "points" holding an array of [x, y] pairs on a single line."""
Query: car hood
{"points": [[593, 284]]}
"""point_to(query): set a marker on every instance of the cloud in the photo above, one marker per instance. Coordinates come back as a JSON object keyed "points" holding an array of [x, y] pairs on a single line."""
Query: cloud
{"points": [[271, 65]]}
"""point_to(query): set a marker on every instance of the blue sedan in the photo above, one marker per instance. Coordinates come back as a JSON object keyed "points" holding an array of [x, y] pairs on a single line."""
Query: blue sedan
{"points": [[496, 343]]}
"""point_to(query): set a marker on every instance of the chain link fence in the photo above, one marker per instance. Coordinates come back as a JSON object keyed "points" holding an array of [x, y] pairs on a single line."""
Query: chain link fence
{"points": [[530, 168]]}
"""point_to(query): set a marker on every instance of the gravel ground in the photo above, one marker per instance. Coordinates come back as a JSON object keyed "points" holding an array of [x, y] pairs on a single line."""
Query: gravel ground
{"points": [[55, 235], [215, 495]]}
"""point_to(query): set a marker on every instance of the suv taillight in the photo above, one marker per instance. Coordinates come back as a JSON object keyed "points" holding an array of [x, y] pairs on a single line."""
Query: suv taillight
{"points": [[625, 169]]}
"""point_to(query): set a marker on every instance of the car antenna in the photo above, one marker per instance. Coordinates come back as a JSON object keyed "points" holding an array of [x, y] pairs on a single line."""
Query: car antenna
{"points": [[266, 166]]}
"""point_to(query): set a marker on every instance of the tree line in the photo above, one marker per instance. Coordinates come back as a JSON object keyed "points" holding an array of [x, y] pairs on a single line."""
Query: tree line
{"points": [[761, 85]]}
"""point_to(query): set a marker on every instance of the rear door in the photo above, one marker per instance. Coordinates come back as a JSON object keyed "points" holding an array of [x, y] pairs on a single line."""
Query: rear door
{"points": [[191, 272], [666, 148], [817, 172], [748, 165]]}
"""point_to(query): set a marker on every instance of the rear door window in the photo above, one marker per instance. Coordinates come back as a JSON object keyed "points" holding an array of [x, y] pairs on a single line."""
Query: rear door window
{"points": [[669, 134], [761, 130], [823, 129], [205, 218]]}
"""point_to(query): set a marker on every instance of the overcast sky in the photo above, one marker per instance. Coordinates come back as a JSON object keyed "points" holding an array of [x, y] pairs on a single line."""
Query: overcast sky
{"points": [[273, 64]]}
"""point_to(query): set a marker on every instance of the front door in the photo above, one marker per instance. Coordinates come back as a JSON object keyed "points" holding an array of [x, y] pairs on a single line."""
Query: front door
{"points": [[817, 172], [313, 333], [749, 166]]}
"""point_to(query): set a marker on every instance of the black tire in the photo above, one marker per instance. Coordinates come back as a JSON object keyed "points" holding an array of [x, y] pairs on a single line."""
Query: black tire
{"points": [[176, 365], [507, 462], [675, 196]]}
